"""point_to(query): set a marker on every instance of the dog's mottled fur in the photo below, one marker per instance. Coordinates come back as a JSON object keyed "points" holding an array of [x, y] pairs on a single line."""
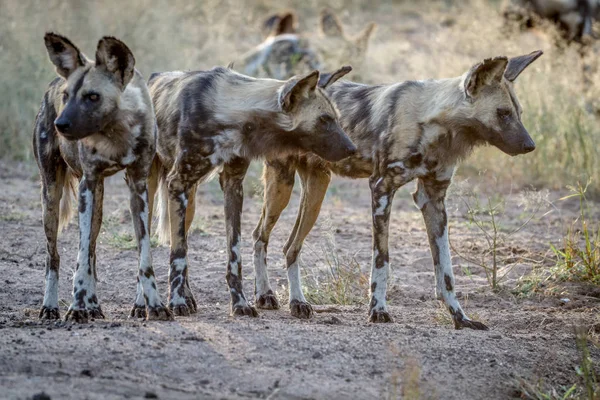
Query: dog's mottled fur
{"points": [[405, 131], [285, 52], [95, 120], [222, 119]]}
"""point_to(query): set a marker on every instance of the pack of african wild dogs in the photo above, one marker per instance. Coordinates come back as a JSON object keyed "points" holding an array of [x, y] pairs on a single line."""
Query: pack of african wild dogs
{"points": [[289, 106]]}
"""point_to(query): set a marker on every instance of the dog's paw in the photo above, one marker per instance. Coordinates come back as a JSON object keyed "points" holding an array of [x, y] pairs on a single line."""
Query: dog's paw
{"points": [[380, 316], [49, 313], [268, 301], [301, 309]]}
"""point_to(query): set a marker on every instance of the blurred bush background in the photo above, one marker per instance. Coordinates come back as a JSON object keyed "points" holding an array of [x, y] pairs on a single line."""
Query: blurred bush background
{"points": [[413, 40]]}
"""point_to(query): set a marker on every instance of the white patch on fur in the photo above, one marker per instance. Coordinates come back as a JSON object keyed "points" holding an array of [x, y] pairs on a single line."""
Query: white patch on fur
{"points": [[420, 198], [179, 264], [183, 199], [51, 293], [85, 227], [139, 295], [136, 130], [67, 61], [145, 253], [379, 276], [383, 202], [295, 283], [83, 257], [397, 164], [43, 134], [176, 299], [236, 250], [132, 99], [228, 145], [443, 269], [260, 268], [129, 158]]}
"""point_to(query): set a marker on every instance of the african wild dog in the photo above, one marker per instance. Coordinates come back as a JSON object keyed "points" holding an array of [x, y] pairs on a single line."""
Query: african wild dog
{"points": [[576, 17], [219, 118], [95, 119], [405, 131], [337, 46], [285, 52]]}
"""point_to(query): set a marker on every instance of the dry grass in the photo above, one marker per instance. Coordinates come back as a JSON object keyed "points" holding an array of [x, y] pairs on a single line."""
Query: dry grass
{"points": [[414, 40], [579, 256], [342, 281], [586, 386], [493, 221]]}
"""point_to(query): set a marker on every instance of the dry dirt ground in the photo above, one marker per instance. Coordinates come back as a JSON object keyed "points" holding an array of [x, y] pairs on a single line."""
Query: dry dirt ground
{"points": [[337, 354]]}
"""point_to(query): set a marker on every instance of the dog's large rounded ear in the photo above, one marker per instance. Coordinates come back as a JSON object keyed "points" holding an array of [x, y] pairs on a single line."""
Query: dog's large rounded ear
{"points": [[362, 39], [485, 73], [63, 54], [295, 89], [328, 79], [330, 24], [279, 24], [287, 24], [516, 65], [114, 56]]}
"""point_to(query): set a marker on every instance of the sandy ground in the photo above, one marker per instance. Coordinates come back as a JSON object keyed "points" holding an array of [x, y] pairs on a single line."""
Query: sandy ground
{"points": [[337, 354]]}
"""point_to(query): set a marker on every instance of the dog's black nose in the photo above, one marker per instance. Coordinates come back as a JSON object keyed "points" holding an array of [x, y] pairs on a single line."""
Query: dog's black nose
{"points": [[528, 146], [62, 126]]}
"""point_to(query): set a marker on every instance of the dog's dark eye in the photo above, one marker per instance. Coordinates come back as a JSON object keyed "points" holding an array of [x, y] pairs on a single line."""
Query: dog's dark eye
{"points": [[325, 119], [65, 97], [93, 97], [504, 112]]}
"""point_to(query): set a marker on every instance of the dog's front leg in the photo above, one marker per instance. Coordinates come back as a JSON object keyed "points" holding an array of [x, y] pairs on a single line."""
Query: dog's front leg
{"points": [[231, 180], [430, 198], [152, 306], [85, 302], [383, 189]]}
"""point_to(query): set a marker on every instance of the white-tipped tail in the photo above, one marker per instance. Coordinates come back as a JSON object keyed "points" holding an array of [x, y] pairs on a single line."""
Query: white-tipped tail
{"points": [[163, 229], [66, 209]]}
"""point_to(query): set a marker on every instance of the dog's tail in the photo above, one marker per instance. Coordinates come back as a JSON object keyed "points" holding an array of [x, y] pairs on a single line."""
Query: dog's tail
{"points": [[66, 209], [163, 228]]}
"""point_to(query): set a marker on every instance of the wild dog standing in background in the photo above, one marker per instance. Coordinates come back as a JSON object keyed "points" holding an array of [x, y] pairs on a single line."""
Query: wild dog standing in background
{"points": [[576, 17], [219, 118], [335, 45], [95, 119], [405, 131], [285, 52]]}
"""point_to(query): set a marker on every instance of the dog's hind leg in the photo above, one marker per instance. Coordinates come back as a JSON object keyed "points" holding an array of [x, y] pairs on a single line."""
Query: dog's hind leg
{"points": [[231, 180], [182, 182], [430, 198], [278, 177], [314, 186]]}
